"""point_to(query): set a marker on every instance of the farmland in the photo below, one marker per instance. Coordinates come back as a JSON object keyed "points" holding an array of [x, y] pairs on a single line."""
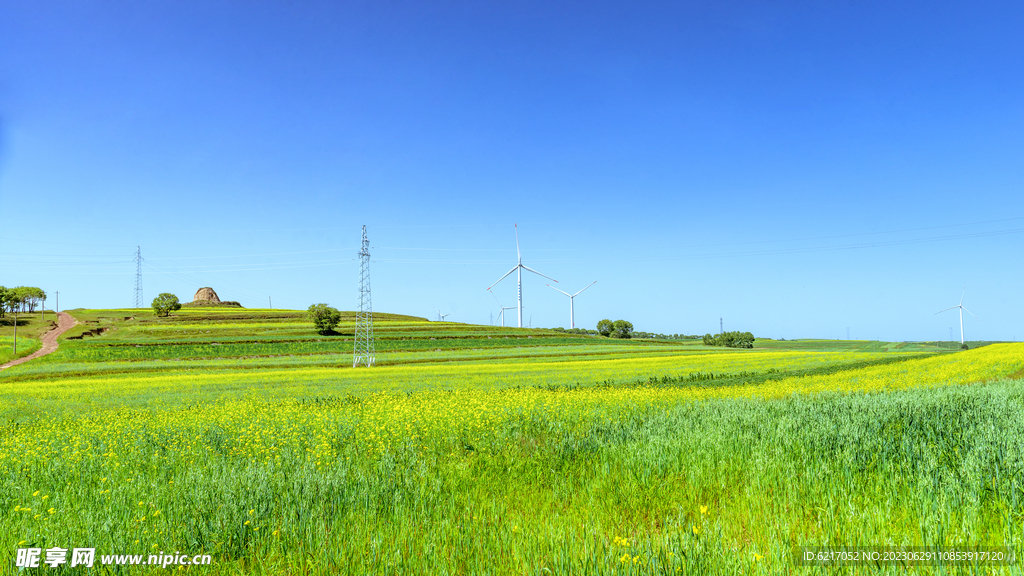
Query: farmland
{"points": [[473, 449]]}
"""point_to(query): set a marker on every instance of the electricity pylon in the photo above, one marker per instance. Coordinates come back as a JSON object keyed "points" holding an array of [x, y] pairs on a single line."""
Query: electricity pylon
{"points": [[363, 352], [138, 277]]}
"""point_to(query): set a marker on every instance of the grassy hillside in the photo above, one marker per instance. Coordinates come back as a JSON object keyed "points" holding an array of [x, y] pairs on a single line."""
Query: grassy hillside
{"points": [[30, 328], [120, 341]]}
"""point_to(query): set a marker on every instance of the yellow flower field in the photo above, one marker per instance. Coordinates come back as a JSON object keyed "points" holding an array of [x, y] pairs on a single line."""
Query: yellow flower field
{"points": [[518, 467]]}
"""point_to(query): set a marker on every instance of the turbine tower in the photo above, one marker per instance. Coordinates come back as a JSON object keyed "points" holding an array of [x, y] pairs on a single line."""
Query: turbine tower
{"points": [[961, 307], [519, 276], [501, 314], [364, 350], [572, 319]]}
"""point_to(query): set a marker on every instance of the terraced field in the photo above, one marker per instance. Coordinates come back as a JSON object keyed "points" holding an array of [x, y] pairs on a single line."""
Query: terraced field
{"points": [[482, 450]]}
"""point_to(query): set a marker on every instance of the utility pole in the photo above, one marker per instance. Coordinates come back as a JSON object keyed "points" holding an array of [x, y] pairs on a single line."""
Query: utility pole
{"points": [[138, 277], [721, 329], [15, 331], [364, 350], [492, 318], [58, 302]]}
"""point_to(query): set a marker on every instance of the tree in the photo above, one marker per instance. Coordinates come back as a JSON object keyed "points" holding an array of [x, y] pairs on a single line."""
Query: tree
{"points": [[32, 296], [165, 303], [324, 317], [14, 298], [730, 339], [622, 329], [605, 327]]}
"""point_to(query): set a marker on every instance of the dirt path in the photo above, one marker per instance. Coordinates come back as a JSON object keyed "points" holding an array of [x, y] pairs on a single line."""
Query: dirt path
{"points": [[65, 321]]}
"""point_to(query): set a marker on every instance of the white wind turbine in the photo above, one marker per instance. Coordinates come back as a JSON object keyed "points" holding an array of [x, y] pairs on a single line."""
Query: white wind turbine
{"points": [[961, 307], [572, 319], [501, 315], [519, 268]]}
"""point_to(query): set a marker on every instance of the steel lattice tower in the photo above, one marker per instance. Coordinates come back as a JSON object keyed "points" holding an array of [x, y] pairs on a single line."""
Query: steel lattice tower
{"points": [[138, 277], [364, 352]]}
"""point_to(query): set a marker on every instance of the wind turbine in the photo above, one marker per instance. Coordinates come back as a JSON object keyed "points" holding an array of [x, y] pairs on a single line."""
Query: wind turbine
{"points": [[961, 307], [519, 269], [572, 320], [501, 314], [441, 317]]}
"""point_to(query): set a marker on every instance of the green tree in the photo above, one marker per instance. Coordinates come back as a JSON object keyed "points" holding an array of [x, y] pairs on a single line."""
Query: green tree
{"points": [[324, 317], [622, 329], [32, 296], [165, 303], [730, 339], [605, 327], [14, 298]]}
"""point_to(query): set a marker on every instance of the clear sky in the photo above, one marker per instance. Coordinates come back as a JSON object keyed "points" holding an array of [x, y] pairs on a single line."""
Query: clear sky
{"points": [[795, 168]]}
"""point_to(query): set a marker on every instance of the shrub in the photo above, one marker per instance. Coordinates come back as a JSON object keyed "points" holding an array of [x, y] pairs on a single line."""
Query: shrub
{"points": [[324, 317]]}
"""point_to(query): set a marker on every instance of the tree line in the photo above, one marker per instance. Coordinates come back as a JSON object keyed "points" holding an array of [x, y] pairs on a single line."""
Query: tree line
{"points": [[625, 328], [730, 339], [20, 299]]}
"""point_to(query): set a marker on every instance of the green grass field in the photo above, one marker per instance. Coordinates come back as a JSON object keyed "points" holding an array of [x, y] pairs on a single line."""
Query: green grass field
{"points": [[480, 450], [30, 327]]}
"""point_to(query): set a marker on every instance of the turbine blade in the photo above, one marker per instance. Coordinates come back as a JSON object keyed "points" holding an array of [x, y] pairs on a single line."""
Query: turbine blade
{"points": [[939, 312], [968, 311], [537, 273], [588, 286], [495, 298], [503, 277], [518, 255], [553, 288], [962, 296]]}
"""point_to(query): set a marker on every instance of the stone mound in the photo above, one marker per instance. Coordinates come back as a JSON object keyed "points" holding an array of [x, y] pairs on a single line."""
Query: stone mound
{"points": [[206, 294], [208, 303]]}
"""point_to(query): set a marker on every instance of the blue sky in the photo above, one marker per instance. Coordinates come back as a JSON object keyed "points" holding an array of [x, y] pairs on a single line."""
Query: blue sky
{"points": [[795, 168]]}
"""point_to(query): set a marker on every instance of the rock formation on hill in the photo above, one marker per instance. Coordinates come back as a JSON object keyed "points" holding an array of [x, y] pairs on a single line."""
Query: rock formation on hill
{"points": [[206, 294]]}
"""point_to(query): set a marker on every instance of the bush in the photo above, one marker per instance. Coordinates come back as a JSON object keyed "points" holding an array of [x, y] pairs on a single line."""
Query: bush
{"points": [[324, 317], [730, 339], [166, 303]]}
